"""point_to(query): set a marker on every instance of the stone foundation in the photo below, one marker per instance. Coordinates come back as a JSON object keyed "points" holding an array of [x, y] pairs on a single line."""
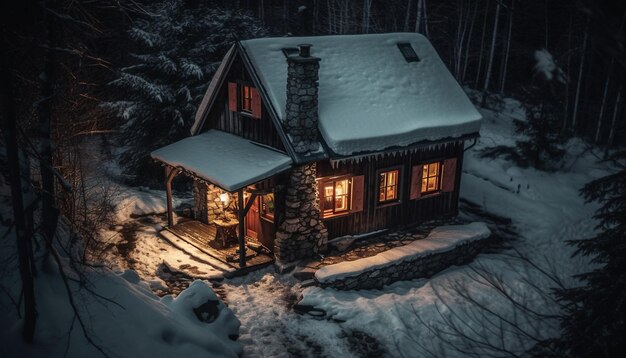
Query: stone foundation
{"points": [[419, 267], [301, 233]]}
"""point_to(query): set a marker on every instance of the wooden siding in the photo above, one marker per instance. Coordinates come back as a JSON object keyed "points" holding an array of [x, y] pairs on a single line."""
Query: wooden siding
{"points": [[221, 117], [403, 213]]}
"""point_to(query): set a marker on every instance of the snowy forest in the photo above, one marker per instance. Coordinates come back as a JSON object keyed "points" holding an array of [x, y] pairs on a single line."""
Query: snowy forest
{"points": [[90, 88]]}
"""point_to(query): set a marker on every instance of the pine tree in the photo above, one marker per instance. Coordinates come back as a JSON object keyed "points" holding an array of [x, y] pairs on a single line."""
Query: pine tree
{"points": [[175, 53], [543, 103], [594, 321]]}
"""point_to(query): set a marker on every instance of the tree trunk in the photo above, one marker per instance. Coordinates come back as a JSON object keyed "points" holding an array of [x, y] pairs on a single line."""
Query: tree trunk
{"points": [[580, 78], [460, 39], [567, 82], [505, 61], [408, 15], [482, 46], [284, 16], [546, 22], [616, 110], [596, 138], [425, 14], [49, 211], [23, 232], [494, 35], [418, 16], [367, 4], [469, 42]]}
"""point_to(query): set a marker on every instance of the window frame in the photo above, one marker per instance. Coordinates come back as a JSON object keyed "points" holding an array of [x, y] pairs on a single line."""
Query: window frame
{"points": [[399, 186], [408, 52], [241, 85], [262, 207], [439, 177], [322, 197]]}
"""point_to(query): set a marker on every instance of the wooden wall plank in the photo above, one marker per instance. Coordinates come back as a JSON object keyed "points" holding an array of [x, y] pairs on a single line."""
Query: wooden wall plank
{"points": [[408, 212]]}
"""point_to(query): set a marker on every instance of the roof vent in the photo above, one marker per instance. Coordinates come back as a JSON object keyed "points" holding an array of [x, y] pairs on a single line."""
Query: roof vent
{"points": [[408, 52], [290, 51]]}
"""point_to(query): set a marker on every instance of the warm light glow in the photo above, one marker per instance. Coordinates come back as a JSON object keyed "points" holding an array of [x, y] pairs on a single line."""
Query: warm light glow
{"points": [[336, 196], [341, 195], [431, 177], [224, 198], [388, 186]]}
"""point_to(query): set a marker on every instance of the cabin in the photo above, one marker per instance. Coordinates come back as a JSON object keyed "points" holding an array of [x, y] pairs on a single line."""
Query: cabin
{"points": [[299, 140]]}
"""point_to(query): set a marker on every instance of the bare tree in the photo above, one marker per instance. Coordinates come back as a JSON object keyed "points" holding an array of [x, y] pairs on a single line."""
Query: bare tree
{"points": [[505, 60], [494, 35], [469, 42], [525, 312], [579, 79], [19, 186], [616, 110], [596, 138], [482, 46], [367, 6]]}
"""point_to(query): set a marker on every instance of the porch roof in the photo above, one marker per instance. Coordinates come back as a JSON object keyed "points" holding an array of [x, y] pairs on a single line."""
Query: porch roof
{"points": [[226, 160]]}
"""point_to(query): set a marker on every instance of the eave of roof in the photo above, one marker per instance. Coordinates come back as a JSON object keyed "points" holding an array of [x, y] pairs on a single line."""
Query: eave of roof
{"points": [[211, 93], [397, 149], [226, 160]]}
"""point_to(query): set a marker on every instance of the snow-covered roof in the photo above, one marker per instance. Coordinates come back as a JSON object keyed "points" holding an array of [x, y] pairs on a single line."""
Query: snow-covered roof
{"points": [[224, 159], [370, 97]]}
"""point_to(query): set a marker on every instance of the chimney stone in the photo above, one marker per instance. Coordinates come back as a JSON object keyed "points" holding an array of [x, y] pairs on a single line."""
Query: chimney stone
{"points": [[301, 122]]}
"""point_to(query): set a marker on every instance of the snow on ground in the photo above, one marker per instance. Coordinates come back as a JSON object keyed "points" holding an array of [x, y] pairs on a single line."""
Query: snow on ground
{"points": [[403, 319], [121, 314], [263, 300], [546, 210], [406, 318]]}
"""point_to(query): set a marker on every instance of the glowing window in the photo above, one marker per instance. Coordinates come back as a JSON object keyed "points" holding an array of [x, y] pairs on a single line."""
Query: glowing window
{"points": [[431, 177], [246, 98], [335, 196], [388, 186]]}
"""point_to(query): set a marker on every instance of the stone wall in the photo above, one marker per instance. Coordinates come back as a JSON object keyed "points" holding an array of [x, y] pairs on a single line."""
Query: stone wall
{"points": [[207, 204], [423, 266], [301, 233], [301, 109]]}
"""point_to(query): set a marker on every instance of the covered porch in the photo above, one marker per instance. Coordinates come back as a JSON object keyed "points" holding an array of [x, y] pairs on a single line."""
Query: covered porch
{"points": [[232, 179], [203, 237]]}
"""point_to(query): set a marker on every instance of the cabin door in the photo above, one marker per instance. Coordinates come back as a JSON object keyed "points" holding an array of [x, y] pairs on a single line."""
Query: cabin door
{"points": [[253, 220], [267, 214]]}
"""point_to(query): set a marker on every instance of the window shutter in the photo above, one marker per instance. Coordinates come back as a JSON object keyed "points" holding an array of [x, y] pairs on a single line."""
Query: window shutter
{"points": [[416, 182], [256, 103], [232, 96], [357, 193], [449, 174]]}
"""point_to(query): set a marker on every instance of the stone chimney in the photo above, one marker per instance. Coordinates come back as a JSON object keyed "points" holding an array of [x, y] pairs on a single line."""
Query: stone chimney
{"points": [[301, 111]]}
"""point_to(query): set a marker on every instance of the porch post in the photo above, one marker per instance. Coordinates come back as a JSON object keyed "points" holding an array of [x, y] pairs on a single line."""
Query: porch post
{"points": [[241, 216], [170, 173]]}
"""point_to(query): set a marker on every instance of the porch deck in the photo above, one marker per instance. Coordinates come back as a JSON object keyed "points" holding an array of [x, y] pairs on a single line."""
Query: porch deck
{"points": [[202, 237]]}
